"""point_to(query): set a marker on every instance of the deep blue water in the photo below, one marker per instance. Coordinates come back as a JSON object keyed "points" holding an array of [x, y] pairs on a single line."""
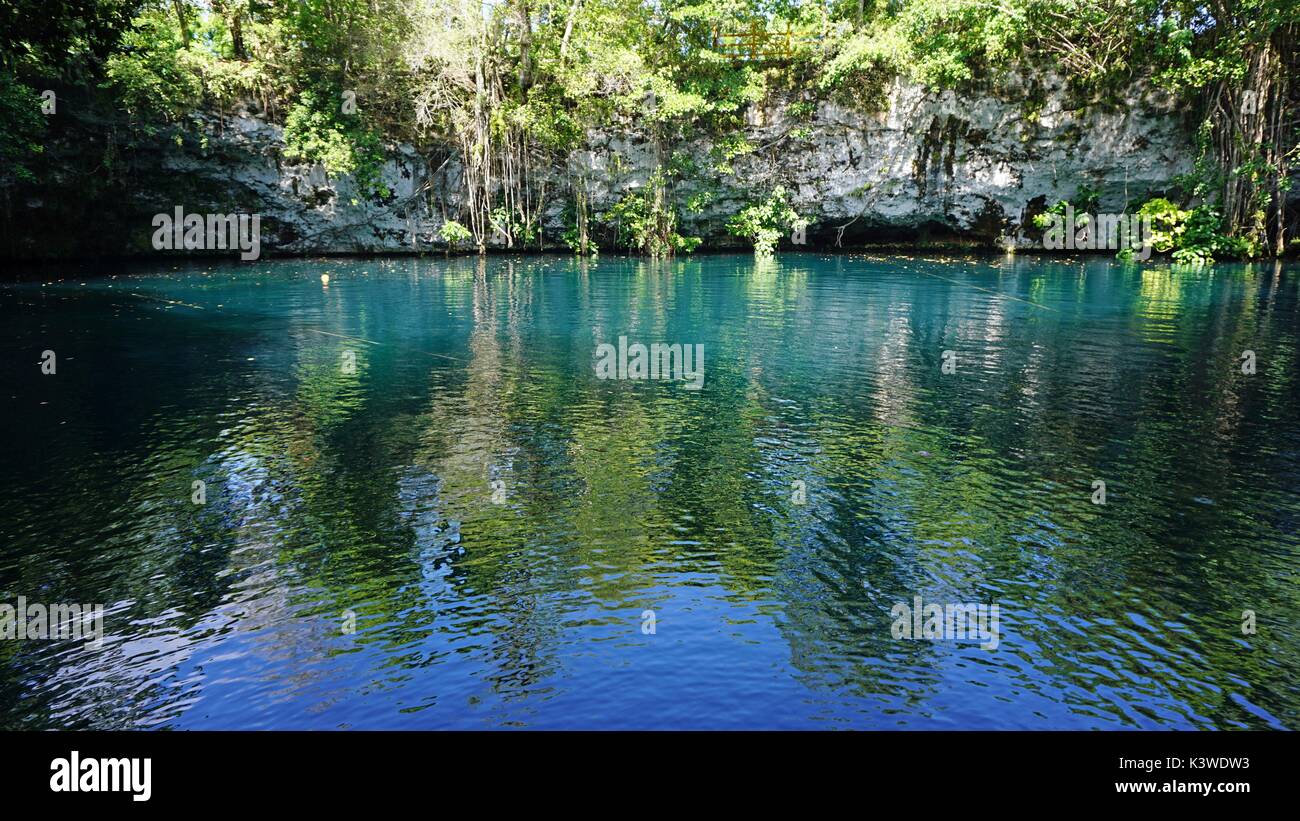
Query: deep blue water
{"points": [[498, 519]]}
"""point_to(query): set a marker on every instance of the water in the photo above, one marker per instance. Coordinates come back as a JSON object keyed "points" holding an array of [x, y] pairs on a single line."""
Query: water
{"points": [[372, 493]]}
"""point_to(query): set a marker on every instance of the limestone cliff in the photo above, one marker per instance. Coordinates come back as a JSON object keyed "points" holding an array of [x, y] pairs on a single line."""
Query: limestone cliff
{"points": [[929, 165]]}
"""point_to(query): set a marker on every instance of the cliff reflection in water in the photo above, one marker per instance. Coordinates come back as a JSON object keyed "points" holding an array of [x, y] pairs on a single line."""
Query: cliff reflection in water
{"points": [[497, 520]]}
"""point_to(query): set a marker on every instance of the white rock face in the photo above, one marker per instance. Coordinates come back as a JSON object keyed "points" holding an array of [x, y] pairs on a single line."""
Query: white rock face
{"points": [[963, 166], [934, 163], [303, 209]]}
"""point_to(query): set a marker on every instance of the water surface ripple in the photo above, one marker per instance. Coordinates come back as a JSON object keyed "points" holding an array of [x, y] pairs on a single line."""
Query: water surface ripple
{"points": [[372, 493]]}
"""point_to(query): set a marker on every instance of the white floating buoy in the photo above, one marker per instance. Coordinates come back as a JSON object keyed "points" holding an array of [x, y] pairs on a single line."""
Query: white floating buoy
{"points": [[324, 279]]}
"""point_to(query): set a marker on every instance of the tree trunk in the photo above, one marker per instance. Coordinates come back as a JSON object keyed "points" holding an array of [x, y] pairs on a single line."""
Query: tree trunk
{"points": [[1248, 148], [568, 29], [525, 48], [179, 5], [237, 34]]}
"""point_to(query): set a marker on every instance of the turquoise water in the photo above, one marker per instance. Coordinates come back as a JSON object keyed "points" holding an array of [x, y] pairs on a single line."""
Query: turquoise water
{"points": [[421, 450]]}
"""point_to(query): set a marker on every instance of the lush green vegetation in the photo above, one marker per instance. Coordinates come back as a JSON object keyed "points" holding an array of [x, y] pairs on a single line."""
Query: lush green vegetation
{"points": [[765, 223], [512, 87]]}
